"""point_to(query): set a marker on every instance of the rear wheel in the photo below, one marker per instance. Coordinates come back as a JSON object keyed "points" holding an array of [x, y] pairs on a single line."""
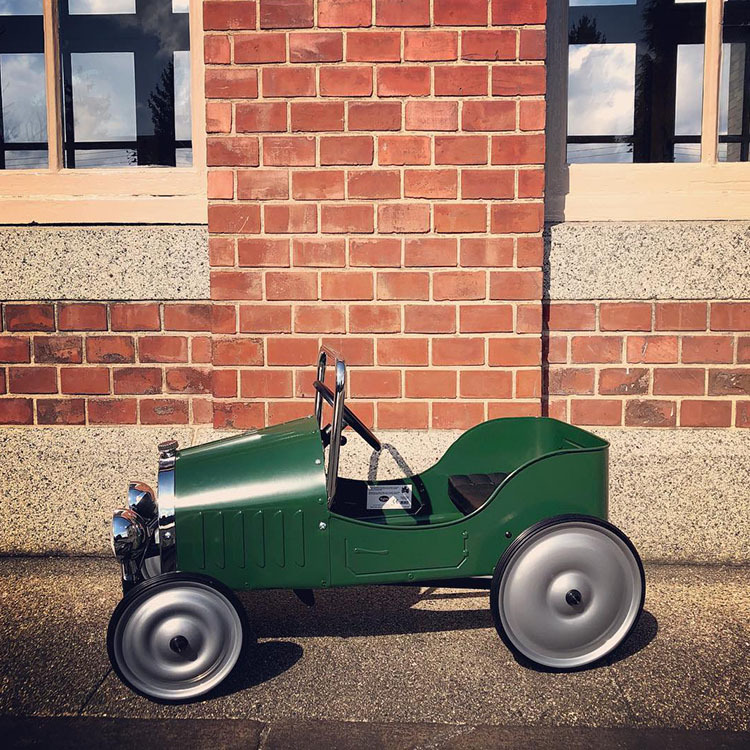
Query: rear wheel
{"points": [[177, 636], [568, 591]]}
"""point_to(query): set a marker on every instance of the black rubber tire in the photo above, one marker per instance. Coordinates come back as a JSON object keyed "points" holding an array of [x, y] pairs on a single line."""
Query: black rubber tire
{"points": [[145, 587], [519, 542]]}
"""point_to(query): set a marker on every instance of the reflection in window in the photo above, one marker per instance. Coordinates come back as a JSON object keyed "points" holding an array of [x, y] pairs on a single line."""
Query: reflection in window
{"points": [[633, 94], [126, 76], [734, 90], [23, 107]]}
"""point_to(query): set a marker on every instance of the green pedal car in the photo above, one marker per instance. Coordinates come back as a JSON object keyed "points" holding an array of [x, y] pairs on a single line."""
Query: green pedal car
{"points": [[523, 500]]}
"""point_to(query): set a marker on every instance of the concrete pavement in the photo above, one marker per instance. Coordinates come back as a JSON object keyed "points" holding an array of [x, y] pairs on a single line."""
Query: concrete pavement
{"points": [[396, 658]]}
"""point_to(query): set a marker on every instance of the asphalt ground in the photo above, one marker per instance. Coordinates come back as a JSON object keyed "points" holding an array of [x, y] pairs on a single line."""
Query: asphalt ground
{"points": [[380, 666]]}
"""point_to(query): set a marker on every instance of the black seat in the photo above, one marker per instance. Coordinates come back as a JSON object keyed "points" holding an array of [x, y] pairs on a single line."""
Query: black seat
{"points": [[469, 492]]}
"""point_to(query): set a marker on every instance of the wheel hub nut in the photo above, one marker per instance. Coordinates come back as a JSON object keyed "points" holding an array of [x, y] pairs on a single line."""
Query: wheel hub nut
{"points": [[573, 597], [178, 644]]}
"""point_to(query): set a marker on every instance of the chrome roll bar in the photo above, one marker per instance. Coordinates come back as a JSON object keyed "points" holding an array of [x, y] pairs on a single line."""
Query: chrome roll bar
{"points": [[337, 423]]}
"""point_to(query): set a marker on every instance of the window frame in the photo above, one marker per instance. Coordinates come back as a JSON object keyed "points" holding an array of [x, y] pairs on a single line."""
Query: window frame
{"points": [[148, 195], [703, 190]]}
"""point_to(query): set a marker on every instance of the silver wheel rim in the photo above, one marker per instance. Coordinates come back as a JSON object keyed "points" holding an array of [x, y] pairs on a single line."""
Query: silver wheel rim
{"points": [[570, 594], [178, 641]]}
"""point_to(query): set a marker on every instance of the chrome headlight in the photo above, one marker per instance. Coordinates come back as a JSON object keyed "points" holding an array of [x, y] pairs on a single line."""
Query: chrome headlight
{"points": [[141, 500], [129, 534]]}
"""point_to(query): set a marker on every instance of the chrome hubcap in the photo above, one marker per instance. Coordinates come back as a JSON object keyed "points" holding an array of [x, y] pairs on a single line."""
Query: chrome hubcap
{"points": [[179, 641], [570, 594]]}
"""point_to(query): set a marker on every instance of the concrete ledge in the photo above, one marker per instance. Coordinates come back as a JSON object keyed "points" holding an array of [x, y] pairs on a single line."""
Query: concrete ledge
{"points": [[681, 495], [104, 262], [649, 260]]}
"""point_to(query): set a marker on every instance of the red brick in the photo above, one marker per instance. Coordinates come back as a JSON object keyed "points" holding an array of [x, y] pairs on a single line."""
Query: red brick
{"points": [[112, 410], [430, 251], [32, 380], [261, 117], [187, 317], [430, 183], [605, 349], [316, 47], [566, 381], [286, 14], [729, 382], [531, 184], [460, 12], [707, 349], [518, 149], [16, 411], [533, 45], [292, 285], [428, 46], [290, 219], [462, 80], [223, 319], [743, 350], [86, 380], [200, 349], [374, 319], [625, 316], [516, 409], [140, 380], [458, 351], [706, 414], [484, 384], [216, 49], [263, 184], [29, 317], [164, 411], [403, 218], [266, 383], [403, 149], [82, 316], [403, 351], [512, 12], [596, 412], [292, 151], [285, 411], [110, 350], [509, 218], [224, 383], [374, 115], [679, 381], [729, 316], [530, 251], [572, 316], [532, 114], [652, 349], [402, 12], [346, 149], [373, 46], [160, 349], [346, 285], [430, 319], [263, 47], [488, 45], [349, 80], [231, 83], [234, 151], [345, 219], [623, 381], [529, 318], [376, 183], [518, 351], [743, 414], [454, 416], [516, 285], [288, 81], [375, 384], [459, 285], [650, 413], [460, 149], [238, 416], [220, 184], [15, 349], [486, 318], [237, 351], [489, 115], [235, 285], [344, 13], [326, 253], [189, 380], [431, 115], [487, 183], [528, 384], [681, 316], [402, 415], [319, 319], [265, 318], [287, 350], [218, 117], [321, 184], [558, 409], [356, 352], [317, 116], [404, 80], [518, 80], [129, 316], [403, 285], [558, 349], [430, 384], [224, 15], [486, 251]]}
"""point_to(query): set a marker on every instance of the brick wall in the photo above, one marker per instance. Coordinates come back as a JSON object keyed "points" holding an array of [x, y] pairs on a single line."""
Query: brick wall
{"points": [[375, 183]]}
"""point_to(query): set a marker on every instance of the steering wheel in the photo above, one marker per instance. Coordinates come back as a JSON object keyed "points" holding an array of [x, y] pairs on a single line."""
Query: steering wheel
{"points": [[350, 418]]}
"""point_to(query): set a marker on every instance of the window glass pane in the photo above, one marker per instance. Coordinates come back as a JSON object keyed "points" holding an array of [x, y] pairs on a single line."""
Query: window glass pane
{"points": [[635, 80], [734, 90], [126, 74], [23, 102]]}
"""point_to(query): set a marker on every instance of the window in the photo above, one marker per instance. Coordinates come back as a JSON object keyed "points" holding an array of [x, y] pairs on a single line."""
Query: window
{"points": [[100, 118], [656, 98]]}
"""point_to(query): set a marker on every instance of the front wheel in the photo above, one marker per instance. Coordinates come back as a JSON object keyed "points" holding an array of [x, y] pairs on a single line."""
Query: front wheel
{"points": [[568, 591], [177, 636]]}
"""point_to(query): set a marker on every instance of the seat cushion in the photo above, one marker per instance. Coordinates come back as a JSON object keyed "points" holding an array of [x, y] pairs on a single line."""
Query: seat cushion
{"points": [[470, 492]]}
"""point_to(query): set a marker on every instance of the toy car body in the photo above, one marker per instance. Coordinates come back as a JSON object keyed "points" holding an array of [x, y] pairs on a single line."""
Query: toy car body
{"points": [[521, 499]]}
